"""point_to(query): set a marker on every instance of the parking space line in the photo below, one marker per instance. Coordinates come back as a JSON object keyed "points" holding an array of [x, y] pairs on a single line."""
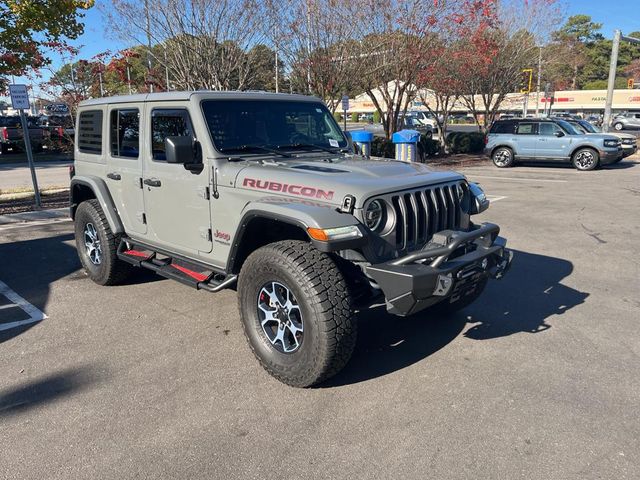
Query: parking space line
{"points": [[35, 315], [495, 198], [519, 179]]}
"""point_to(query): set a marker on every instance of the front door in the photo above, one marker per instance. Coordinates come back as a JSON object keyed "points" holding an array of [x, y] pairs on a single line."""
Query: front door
{"points": [[124, 166], [176, 199], [553, 142]]}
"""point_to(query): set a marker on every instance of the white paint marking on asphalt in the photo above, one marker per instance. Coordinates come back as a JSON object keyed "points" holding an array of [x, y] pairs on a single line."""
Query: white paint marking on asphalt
{"points": [[495, 198], [35, 315], [520, 179]]}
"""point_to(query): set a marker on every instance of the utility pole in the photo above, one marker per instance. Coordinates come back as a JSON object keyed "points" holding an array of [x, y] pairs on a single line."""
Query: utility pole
{"points": [[166, 69], [613, 66], [539, 77], [146, 11], [309, 47]]}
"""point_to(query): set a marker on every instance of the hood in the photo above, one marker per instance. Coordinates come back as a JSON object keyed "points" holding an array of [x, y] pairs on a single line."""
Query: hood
{"points": [[603, 136], [331, 179]]}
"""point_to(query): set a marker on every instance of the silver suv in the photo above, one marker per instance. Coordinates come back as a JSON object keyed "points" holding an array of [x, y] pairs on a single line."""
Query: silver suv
{"points": [[626, 121], [263, 192], [543, 139]]}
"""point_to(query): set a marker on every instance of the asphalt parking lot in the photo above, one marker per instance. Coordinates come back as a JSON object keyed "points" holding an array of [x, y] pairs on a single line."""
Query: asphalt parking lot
{"points": [[540, 379]]}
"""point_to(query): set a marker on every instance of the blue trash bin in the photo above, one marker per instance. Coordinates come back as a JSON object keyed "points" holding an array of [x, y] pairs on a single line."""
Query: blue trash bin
{"points": [[406, 142], [362, 139]]}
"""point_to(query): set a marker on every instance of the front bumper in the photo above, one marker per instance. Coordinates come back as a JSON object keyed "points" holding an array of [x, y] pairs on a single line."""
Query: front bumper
{"points": [[628, 150], [610, 155], [453, 264]]}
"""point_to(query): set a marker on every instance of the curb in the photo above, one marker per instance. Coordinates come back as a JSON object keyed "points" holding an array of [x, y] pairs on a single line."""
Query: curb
{"points": [[35, 216]]}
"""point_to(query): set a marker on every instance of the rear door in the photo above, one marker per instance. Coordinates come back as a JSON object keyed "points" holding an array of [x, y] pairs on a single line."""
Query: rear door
{"points": [[124, 165], [526, 139], [176, 199], [550, 146]]}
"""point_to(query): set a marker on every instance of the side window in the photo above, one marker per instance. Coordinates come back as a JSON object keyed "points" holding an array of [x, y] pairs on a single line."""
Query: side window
{"points": [[90, 132], [168, 123], [125, 133], [549, 128], [526, 129], [503, 127]]}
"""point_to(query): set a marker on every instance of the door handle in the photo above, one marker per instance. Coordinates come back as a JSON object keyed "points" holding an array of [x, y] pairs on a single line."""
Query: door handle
{"points": [[114, 176], [152, 182]]}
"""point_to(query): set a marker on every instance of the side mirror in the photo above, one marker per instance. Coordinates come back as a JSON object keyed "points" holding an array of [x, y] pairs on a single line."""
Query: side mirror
{"points": [[479, 201], [179, 150], [559, 134]]}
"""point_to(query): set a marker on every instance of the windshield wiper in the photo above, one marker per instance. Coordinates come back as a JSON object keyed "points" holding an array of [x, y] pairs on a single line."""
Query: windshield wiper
{"points": [[246, 148], [310, 146]]}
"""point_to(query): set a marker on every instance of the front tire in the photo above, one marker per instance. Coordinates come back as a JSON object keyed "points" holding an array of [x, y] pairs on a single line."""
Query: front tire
{"points": [[296, 312], [585, 159], [502, 157], [618, 126], [97, 245]]}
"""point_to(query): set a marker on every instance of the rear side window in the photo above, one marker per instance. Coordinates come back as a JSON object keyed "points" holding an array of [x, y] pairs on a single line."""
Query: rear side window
{"points": [[90, 132], [503, 127], [125, 133], [168, 123], [526, 129]]}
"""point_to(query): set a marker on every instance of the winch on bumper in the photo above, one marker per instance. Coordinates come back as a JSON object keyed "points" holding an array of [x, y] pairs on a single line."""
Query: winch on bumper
{"points": [[453, 264]]}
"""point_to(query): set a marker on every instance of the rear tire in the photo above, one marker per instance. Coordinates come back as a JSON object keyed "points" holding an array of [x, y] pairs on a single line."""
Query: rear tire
{"points": [[502, 157], [97, 245], [585, 159], [318, 328], [618, 126]]}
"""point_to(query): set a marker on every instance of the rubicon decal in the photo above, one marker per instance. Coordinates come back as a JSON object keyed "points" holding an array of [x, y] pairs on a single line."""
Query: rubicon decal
{"points": [[299, 190]]}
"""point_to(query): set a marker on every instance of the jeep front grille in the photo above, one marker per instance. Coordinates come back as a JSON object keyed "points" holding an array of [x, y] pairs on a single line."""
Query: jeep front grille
{"points": [[421, 213]]}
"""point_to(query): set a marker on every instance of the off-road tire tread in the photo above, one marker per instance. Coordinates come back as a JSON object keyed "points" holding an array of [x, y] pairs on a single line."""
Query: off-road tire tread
{"points": [[329, 299], [118, 271]]}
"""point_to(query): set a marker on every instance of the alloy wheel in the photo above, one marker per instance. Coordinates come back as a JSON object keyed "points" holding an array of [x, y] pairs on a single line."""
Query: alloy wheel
{"points": [[92, 244], [280, 317], [502, 158], [585, 160]]}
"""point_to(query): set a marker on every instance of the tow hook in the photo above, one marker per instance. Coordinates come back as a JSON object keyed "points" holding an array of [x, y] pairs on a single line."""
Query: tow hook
{"points": [[503, 266]]}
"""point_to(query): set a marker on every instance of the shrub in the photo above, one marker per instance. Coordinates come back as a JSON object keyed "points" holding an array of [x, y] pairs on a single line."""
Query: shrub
{"points": [[465, 142], [376, 117], [381, 147], [338, 117], [427, 147], [354, 117]]}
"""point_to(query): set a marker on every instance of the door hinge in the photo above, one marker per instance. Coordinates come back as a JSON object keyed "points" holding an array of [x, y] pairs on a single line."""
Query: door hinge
{"points": [[144, 218], [140, 182], [204, 192], [206, 234]]}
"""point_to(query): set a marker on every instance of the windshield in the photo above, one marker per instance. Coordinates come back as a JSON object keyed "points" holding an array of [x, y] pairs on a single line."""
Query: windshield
{"points": [[588, 127], [239, 124], [567, 127]]}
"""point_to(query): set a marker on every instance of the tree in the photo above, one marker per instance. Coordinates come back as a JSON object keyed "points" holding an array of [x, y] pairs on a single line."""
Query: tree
{"points": [[204, 42], [28, 29], [572, 41]]}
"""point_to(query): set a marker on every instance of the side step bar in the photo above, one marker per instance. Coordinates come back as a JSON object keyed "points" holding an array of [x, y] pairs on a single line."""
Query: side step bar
{"points": [[186, 271]]}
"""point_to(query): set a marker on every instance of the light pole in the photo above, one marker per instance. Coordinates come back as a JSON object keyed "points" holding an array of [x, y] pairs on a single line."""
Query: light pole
{"points": [[538, 83]]}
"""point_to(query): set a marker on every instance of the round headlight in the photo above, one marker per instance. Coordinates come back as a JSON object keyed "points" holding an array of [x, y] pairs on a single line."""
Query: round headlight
{"points": [[374, 214]]}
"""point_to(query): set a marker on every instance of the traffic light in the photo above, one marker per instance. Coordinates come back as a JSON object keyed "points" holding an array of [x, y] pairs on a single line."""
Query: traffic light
{"points": [[525, 80], [630, 84]]}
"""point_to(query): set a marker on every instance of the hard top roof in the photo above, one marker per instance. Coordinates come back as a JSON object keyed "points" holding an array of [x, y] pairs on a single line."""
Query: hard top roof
{"points": [[198, 94]]}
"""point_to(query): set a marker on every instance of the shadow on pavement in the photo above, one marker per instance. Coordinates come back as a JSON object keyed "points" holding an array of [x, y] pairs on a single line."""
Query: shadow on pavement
{"points": [[47, 389], [523, 301]]}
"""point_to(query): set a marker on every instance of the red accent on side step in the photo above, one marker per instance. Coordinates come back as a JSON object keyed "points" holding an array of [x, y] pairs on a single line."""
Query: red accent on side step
{"points": [[136, 253], [195, 275]]}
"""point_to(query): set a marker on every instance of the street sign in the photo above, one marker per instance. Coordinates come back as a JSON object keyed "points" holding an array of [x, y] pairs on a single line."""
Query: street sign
{"points": [[345, 102], [19, 97]]}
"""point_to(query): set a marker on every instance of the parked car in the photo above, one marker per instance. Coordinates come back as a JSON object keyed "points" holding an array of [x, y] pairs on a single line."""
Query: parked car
{"points": [[411, 122], [626, 121], [509, 141], [629, 142], [12, 137], [262, 191], [60, 128]]}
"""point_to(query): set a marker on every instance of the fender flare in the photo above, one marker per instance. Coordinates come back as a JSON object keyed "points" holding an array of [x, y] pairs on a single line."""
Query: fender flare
{"points": [[101, 193], [299, 213]]}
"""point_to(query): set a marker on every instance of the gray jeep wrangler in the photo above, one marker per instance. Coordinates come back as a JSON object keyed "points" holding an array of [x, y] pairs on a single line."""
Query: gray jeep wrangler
{"points": [[263, 192]]}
